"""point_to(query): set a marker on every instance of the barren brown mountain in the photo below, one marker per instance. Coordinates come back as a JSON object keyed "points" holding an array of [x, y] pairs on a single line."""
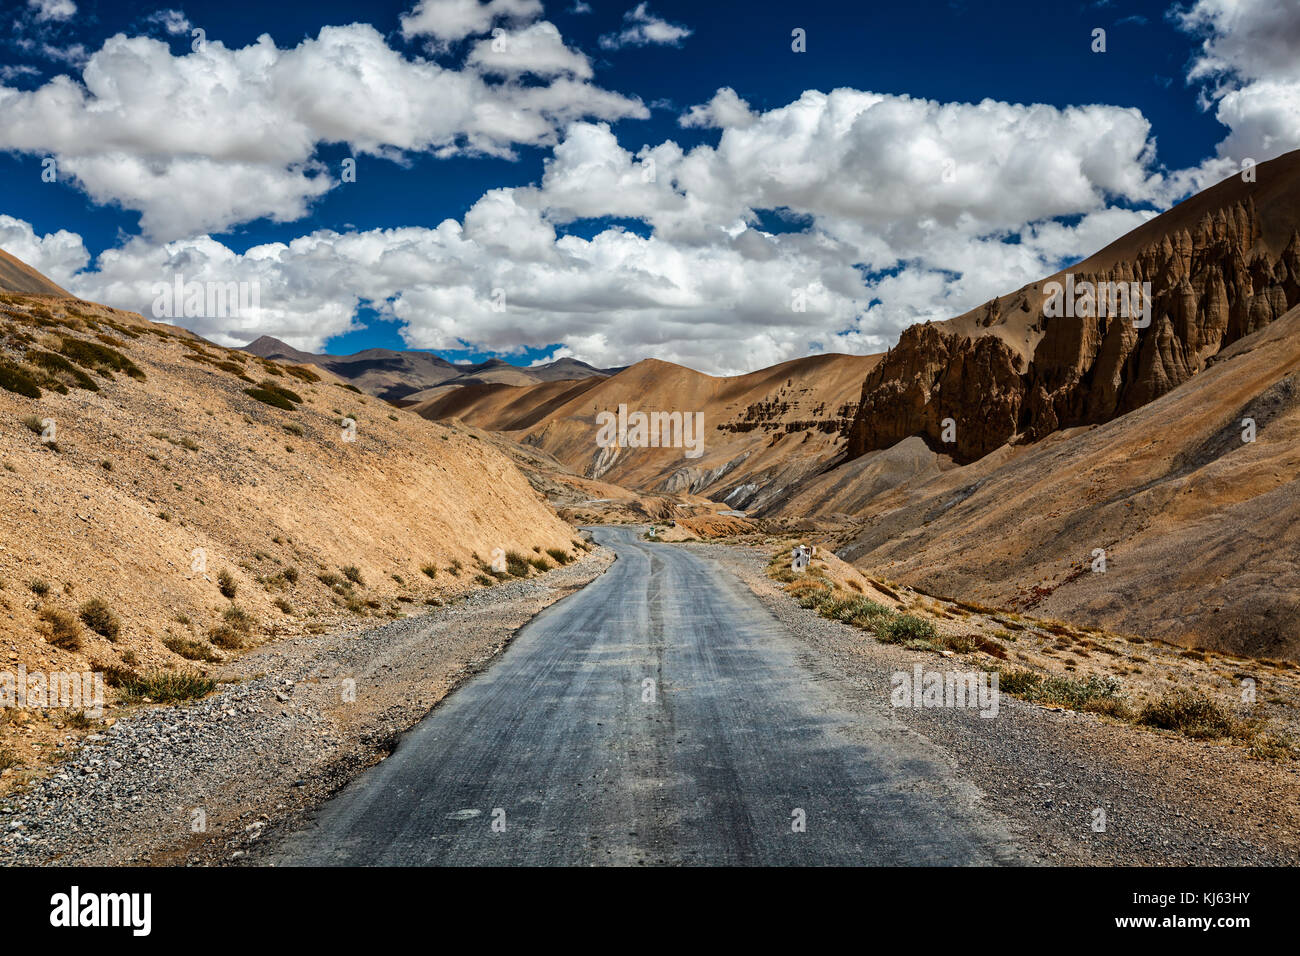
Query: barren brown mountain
{"points": [[17, 276], [411, 376], [1221, 265], [1193, 501], [763, 432], [1196, 524], [1078, 439], [163, 498]]}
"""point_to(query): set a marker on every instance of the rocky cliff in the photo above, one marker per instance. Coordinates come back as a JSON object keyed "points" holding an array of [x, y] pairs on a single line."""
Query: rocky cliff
{"points": [[1007, 373]]}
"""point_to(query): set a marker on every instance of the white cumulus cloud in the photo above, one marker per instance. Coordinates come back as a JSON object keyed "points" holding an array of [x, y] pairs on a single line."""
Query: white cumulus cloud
{"points": [[216, 137], [643, 28], [1249, 67], [56, 10], [447, 21]]}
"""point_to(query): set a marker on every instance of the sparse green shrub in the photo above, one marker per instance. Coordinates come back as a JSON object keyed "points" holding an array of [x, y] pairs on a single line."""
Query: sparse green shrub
{"points": [[353, 574], [864, 612], [283, 392], [164, 687], [61, 629], [559, 556], [1019, 683], [99, 617], [429, 570], [115, 676], [234, 630], [902, 628], [55, 365], [238, 618], [223, 635], [99, 358], [1093, 693], [40, 588], [1190, 713], [968, 643], [268, 397], [302, 373], [226, 584], [1078, 694], [14, 379], [190, 649], [810, 591], [517, 564], [484, 580], [1272, 746]]}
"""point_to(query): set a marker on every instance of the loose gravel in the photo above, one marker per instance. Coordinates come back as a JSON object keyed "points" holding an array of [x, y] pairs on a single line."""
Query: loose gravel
{"points": [[202, 783], [199, 783], [1167, 800]]}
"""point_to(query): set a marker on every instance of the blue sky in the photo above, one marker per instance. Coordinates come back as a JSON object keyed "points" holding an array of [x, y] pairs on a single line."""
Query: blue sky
{"points": [[702, 267]]}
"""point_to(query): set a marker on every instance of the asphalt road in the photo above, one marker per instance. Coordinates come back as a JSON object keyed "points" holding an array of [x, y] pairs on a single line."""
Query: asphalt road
{"points": [[661, 716]]}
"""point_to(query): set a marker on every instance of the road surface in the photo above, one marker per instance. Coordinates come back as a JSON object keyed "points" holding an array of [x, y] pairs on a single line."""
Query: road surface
{"points": [[659, 716]]}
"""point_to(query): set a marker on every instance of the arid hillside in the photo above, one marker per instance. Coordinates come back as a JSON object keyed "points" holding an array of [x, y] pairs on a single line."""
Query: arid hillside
{"points": [[1194, 499], [17, 276], [163, 499], [763, 432]]}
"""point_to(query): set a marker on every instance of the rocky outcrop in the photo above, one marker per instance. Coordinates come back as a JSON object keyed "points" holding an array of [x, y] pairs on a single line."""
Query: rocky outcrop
{"points": [[931, 377], [1209, 286]]}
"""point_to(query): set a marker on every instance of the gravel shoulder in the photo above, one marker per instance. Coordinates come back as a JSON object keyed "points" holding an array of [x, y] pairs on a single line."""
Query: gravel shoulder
{"points": [[201, 783], [279, 738], [1167, 800]]}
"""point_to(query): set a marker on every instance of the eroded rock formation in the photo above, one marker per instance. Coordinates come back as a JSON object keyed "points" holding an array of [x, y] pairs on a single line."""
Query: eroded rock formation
{"points": [[1210, 285]]}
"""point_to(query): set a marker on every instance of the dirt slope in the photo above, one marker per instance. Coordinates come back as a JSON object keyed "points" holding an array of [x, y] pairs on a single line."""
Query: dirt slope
{"points": [[156, 455], [16, 276]]}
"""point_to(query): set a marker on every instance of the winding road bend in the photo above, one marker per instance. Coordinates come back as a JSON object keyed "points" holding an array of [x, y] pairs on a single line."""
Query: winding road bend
{"points": [[661, 715]]}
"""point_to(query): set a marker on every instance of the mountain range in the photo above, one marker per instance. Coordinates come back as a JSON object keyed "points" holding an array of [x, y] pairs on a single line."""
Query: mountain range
{"points": [[1137, 476], [1070, 436], [410, 376]]}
